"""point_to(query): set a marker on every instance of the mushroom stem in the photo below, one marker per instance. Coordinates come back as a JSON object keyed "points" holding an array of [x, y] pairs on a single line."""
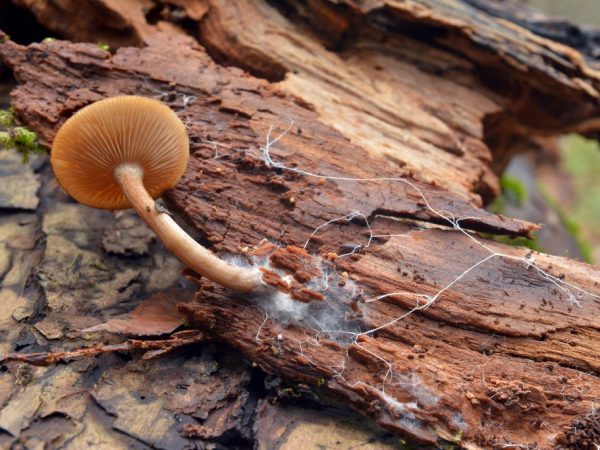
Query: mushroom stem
{"points": [[130, 178]]}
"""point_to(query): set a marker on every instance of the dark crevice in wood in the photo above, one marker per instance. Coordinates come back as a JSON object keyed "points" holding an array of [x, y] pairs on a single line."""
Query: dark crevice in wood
{"points": [[471, 224], [20, 24]]}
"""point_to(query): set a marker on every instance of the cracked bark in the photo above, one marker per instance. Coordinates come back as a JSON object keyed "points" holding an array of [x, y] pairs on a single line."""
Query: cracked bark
{"points": [[435, 93]]}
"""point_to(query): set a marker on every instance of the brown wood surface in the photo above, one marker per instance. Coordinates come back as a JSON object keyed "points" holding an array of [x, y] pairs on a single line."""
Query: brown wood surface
{"points": [[435, 93]]}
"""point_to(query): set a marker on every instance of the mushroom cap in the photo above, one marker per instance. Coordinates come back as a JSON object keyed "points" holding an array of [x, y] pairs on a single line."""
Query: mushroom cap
{"points": [[119, 130]]}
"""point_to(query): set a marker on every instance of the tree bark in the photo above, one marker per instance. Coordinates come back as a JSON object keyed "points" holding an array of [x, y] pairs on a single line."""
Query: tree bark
{"points": [[426, 100]]}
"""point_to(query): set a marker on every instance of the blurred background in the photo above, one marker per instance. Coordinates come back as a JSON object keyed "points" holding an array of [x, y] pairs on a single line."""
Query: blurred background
{"points": [[557, 183], [582, 11]]}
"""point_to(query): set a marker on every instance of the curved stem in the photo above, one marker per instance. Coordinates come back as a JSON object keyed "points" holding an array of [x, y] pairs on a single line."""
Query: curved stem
{"points": [[190, 252]]}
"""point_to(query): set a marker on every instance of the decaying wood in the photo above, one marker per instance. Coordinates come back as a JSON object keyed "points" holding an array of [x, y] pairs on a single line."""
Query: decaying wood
{"points": [[501, 356], [151, 349], [64, 267], [433, 92], [400, 61], [237, 112]]}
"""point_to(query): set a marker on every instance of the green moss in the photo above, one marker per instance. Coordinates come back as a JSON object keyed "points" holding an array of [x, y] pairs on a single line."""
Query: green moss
{"points": [[6, 118], [23, 140], [289, 392], [24, 137], [298, 391], [513, 191], [498, 206], [5, 139], [513, 188], [516, 241], [454, 443], [103, 46]]}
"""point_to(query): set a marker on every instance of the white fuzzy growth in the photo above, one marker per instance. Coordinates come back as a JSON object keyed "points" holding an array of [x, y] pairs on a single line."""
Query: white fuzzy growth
{"points": [[332, 318], [459, 422], [412, 384], [284, 307], [407, 419]]}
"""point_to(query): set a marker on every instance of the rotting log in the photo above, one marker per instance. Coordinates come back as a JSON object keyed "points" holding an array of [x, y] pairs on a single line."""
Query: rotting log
{"points": [[399, 61], [65, 267], [434, 95]]}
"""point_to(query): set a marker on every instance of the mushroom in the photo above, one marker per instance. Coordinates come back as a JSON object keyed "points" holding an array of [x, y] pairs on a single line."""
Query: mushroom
{"points": [[124, 152]]}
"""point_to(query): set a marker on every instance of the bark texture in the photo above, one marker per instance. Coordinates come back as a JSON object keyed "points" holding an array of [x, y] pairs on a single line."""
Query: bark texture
{"points": [[436, 93], [64, 268]]}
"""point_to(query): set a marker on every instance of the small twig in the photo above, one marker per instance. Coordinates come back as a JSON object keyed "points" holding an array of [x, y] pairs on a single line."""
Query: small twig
{"points": [[156, 348]]}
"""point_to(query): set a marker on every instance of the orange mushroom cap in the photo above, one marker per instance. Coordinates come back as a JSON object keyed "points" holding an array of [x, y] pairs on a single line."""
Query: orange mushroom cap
{"points": [[116, 131]]}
